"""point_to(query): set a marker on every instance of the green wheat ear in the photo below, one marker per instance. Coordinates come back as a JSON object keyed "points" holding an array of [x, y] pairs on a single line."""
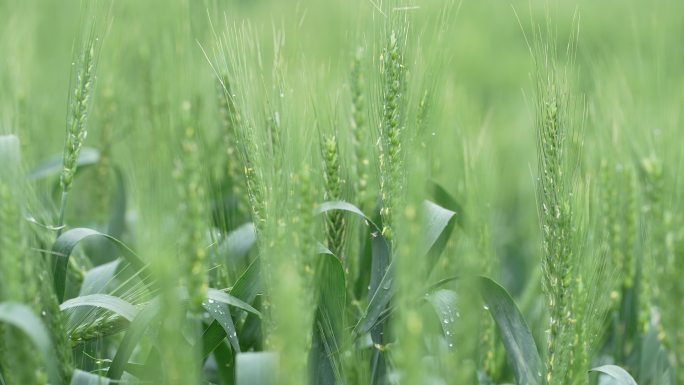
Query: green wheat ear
{"points": [[77, 120], [361, 163], [393, 115], [334, 184], [193, 214], [555, 183], [229, 123]]}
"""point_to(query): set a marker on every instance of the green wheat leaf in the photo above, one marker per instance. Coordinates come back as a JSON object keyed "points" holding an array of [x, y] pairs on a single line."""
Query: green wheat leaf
{"points": [[617, 373], [516, 336], [105, 301]]}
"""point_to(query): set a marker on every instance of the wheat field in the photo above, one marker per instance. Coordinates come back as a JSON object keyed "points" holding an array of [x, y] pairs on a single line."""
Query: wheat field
{"points": [[341, 192]]}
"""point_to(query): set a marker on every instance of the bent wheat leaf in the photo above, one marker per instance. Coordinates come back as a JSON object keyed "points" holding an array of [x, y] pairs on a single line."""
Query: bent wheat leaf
{"points": [[344, 206], [221, 314], [444, 302], [135, 331], [105, 301], [65, 244], [378, 303], [219, 296], [87, 157], [616, 372], [439, 223], [324, 357]]}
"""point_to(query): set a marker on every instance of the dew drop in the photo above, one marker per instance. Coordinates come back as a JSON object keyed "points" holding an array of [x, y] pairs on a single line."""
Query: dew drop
{"points": [[211, 301]]}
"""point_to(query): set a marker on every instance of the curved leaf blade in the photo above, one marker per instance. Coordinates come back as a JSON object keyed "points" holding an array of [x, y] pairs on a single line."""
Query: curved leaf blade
{"points": [[65, 244], [616, 372], [104, 301], [87, 157], [344, 206], [439, 223], [135, 331], [219, 311], [324, 356], [443, 301], [378, 303], [97, 278], [219, 296], [520, 346]]}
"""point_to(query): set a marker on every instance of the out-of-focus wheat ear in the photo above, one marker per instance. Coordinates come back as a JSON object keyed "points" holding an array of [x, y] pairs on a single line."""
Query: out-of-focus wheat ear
{"points": [[16, 355], [611, 225], [230, 120], [334, 186], [104, 186], [361, 162], [652, 260], [555, 184], [193, 214], [631, 228]]}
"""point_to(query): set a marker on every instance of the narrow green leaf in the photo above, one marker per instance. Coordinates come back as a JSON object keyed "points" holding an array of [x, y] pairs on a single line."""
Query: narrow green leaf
{"points": [[219, 296], [21, 317], [344, 206], [97, 278], [520, 346], [443, 198], [135, 331], [212, 337], [238, 242], [248, 285], [65, 244], [87, 157], [654, 363], [380, 283], [322, 249], [105, 301], [226, 369], [324, 357], [378, 303], [84, 378], [617, 373], [221, 313], [444, 303], [439, 223], [256, 368]]}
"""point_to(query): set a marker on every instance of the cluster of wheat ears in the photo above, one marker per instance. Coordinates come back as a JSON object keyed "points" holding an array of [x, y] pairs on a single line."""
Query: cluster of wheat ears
{"points": [[305, 240]]}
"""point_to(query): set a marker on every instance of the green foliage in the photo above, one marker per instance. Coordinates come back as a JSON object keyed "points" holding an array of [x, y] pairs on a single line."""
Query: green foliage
{"points": [[340, 193]]}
